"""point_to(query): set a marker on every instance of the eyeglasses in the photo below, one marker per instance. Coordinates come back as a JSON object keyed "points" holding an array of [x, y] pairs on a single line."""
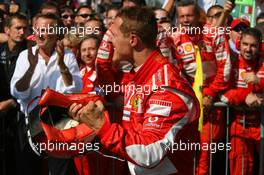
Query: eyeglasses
{"points": [[162, 20], [67, 16], [216, 15], [240, 28], [86, 15]]}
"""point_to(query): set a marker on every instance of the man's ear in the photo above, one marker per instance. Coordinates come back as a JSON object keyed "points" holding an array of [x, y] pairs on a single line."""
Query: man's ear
{"points": [[7, 30], [134, 40]]}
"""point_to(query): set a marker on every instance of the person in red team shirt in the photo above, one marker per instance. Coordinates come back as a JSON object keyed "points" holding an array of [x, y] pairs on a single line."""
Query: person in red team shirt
{"points": [[189, 41], [88, 51], [247, 95], [154, 119]]}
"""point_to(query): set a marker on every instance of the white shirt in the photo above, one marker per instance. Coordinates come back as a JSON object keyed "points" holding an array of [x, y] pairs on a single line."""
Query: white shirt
{"points": [[259, 8], [44, 76]]}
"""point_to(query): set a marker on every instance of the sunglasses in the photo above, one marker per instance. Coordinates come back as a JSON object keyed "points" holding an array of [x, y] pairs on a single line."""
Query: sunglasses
{"points": [[162, 20], [240, 28], [67, 16], [86, 15]]}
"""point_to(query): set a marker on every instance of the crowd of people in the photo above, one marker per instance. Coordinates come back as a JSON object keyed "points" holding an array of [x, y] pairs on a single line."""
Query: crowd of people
{"points": [[169, 74]]}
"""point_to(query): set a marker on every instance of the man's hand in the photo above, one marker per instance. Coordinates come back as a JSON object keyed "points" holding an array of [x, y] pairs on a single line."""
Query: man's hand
{"points": [[207, 101], [254, 100], [33, 59], [229, 6], [7, 104], [207, 104], [91, 114], [250, 77], [60, 54]]}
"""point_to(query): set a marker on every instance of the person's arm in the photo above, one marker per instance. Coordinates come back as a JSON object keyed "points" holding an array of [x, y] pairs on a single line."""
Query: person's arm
{"points": [[24, 82], [104, 61], [254, 100], [223, 67], [228, 7], [72, 68], [168, 5], [167, 112], [65, 73], [235, 96], [7, 104]]}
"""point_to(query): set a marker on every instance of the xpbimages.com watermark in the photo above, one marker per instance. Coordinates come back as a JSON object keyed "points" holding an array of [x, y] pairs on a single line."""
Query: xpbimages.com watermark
{"points": [[183, 146], [62, 146], [191, 30], [61, 30], [142, 89], [82, 31]]}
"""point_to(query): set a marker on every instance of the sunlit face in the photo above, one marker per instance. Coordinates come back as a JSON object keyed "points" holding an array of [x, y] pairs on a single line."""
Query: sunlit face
{"points": [[17, 32], [45, 39], [50, 10], [69, 45], [83, 15], [93, 27], [67, 18], [121, 43], [261, 20], [128, 3], [110, 16], [88, 51], [163, 19], [213, 16], [249, 47], [186, 16]]}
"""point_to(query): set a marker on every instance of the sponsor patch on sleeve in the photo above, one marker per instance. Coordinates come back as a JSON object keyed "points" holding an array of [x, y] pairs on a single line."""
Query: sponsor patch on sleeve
{"points": [[188, 48]]}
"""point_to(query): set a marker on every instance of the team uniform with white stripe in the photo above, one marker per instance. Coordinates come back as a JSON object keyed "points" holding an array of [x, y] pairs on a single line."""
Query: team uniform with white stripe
{"points": [[216, 67], [154, 119], [245, 140]]}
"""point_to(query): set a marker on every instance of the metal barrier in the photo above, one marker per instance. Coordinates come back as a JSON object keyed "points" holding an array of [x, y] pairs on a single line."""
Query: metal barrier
{"points": [[261, 156]]}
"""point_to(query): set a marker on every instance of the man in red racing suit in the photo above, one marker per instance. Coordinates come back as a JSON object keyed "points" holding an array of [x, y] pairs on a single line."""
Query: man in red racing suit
{"points": [[246, 92], [160, 109], [212, 46]]}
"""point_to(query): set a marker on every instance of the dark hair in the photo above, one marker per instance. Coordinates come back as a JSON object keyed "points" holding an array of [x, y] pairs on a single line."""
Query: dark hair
{"points": [[50, 16], [214, 7], [49, 5], [185, 3], [252, 32], [92, 36], [84, 6], [53, 17], [9, 19], [65, 8], [111, 8], [137, 2], [260, 16], [140, 21], [260, 27], [102, 28]]}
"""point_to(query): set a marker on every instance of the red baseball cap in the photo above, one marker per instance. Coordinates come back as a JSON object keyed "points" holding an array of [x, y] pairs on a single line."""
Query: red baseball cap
{"points": [[240, 21]]}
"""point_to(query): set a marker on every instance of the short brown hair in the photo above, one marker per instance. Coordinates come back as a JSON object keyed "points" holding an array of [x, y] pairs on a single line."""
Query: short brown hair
{"points": [[22, 17], [140, 21]]}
